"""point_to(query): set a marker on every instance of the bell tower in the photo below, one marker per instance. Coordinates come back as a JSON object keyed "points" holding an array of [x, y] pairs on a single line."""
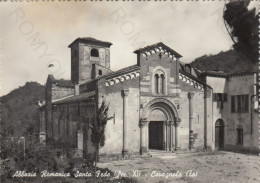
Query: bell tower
{"points": [[90, 58]]}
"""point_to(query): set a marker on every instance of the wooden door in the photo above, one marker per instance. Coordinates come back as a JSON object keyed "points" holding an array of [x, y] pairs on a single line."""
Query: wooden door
{"points": [[156, 135], [219, 135]]}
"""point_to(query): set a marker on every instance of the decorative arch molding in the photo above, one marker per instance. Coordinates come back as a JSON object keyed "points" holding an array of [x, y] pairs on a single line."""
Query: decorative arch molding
{"points": [[219, 122], [159, 112], [191, 82], [159, 68], [160, 49], [122, 78], [161, 104]]}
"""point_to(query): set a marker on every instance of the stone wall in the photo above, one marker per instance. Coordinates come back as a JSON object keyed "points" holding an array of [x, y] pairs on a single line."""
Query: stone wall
{"points": [[149, 65], [69, 118], [236, 85], [114, 128], [59, 92], [177, 94], [81, 61], [241, 85], [96, 71]]}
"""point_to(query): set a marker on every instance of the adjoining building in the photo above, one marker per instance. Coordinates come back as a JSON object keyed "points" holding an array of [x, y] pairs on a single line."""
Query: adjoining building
{"points": [[159, 103], [235, 110]]}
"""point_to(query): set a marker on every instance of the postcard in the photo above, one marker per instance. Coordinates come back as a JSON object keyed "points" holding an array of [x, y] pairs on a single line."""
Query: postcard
{"points": [[129, 91]]}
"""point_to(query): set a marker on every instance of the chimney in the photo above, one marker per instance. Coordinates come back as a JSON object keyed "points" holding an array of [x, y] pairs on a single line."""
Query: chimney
{"points": [[76, 89]]}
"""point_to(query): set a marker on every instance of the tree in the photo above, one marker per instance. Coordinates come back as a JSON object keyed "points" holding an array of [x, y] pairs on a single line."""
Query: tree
{"points": [[242, 26], [98, 129]]}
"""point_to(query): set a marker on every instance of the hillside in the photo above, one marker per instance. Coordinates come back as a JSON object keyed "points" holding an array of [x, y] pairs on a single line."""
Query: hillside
{"points": [[19, 108], [230, 61]]}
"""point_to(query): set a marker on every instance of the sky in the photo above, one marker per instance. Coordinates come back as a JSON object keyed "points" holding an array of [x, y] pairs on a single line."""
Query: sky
{"points": [[34, 35]]}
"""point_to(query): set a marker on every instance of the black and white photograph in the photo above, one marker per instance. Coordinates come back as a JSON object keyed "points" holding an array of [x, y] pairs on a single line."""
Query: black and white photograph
{"points": [[128, 91]]}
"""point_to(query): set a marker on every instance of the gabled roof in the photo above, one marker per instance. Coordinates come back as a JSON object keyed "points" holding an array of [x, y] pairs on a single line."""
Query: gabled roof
{"points": [[116, 73], [214, 74], [121, 71], [80, 97], [226, 75], [194, 78], [160, 44], [91, 40]]}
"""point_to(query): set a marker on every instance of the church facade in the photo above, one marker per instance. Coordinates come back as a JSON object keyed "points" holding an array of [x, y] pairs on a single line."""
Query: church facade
{"points": [[158, 103]]}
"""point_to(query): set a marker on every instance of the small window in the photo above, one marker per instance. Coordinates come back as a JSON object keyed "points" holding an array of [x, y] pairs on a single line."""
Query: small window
{"points": [[94, 53], [240, 136], [156, 83], [219, 97], [159, 83], [188, 68], [162, 84], [100, 72], [240, 103]]}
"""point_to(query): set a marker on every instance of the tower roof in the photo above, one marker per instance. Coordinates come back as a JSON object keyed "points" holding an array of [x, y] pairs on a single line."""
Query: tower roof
{"points": [[89, 40]]}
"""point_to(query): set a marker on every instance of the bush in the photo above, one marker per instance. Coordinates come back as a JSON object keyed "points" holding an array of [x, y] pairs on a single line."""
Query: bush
{"points": [[35, 157]]}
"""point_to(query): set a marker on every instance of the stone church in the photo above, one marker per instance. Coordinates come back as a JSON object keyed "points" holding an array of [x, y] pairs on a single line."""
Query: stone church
{"points": [[158, 103]]}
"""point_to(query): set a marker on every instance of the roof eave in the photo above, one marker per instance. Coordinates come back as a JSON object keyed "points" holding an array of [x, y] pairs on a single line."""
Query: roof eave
{"points": [[195, 78], [89, 41], [157, 44]]}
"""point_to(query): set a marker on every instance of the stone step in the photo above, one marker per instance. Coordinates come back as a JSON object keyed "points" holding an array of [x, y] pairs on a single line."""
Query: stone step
{"points": [[162, 154]]}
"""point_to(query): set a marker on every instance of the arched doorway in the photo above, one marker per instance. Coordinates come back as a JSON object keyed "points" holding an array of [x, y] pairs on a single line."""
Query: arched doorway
{"points": [[161, 115], [219, 134], [157, 120]]}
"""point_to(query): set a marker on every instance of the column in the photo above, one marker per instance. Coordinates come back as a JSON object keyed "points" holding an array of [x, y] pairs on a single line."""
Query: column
{"points": [[143, 148], [177, 124], [165, 135], [168, 135], [125, 93], [159, 85], [80, 143], [190, 96], [205, 117], [171, 134]]}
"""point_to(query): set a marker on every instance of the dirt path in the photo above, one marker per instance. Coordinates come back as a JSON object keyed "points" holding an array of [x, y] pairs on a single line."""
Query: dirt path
{"points": [[195, 167]]}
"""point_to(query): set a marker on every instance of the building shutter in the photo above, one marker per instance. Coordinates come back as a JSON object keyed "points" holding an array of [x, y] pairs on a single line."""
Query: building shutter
{"points": [[225, 97], [238, 103], [233, 104], [246, 103], [219, 97], [214, 97]]}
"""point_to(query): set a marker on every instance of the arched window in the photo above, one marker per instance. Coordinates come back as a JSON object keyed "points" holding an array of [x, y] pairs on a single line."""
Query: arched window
{"points": [[159, 82], [188, 68], [162, 85], [94, 53], [156, 83]]}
